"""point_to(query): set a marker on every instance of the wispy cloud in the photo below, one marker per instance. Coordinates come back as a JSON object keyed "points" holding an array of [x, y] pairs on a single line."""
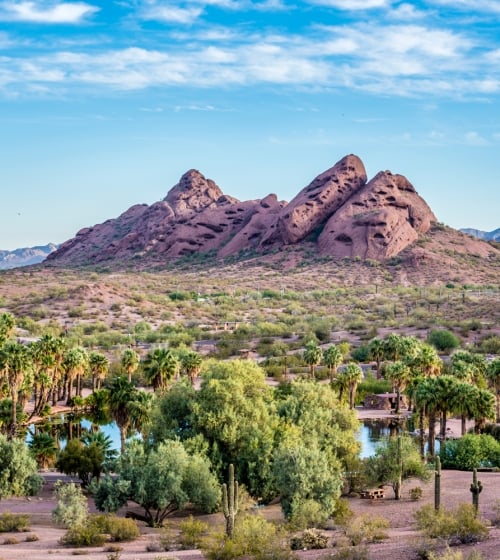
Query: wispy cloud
{"points": [[472, 5], [473, 138], [353, 5], [54, 13], [172, 14]]}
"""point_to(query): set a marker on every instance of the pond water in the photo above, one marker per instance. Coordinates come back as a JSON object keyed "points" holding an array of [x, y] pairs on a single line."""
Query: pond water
{"points": [[374, 431], [370, 434]]}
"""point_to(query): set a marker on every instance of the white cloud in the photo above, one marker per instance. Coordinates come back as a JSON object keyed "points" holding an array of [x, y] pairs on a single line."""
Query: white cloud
{"points": [[473, 5], [353, 5], [173, 14], [63, 12], [406, 12]]}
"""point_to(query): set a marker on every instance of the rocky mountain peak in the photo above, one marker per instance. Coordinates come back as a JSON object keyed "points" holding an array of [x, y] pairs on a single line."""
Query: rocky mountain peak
{"points": [[193, 193], [340, 212]]}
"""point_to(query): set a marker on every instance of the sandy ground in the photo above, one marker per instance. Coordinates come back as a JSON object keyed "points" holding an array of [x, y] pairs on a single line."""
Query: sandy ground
{"points": [[400, 514]]}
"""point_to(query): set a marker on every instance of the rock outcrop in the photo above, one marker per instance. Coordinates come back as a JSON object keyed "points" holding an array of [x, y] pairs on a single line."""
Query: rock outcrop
{"points": [[342, 213]]}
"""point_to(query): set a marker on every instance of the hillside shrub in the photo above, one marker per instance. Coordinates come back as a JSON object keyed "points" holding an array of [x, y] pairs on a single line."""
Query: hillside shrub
{"points": [[367, 528], [309, 539], [443, 340], [11, 522], [459, 526], [192, 531]]}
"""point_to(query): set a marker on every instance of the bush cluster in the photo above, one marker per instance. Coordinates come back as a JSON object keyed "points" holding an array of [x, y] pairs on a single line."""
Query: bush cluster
{"points": [[11, 522], [99, 529], [460, 526], [310, 539]]}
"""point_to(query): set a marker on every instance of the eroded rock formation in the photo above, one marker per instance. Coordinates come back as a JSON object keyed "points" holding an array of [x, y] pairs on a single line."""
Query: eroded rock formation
{"points": [[339, 211]]}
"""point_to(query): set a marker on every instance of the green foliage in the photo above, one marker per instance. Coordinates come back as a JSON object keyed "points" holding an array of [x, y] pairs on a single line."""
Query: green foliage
{"points": [[460, 526], [308, 513], [119, 529], [349, 553], [366, 528], [192, 531], [11, 522], [254, 539], [110, 494], [164, 479], [18, 469], [234, 412], [443, 340], [84, 461], [372, 386], [84, 535], [309, 539], [384, 466], [471, 451], [72, 508], [304, 473]]}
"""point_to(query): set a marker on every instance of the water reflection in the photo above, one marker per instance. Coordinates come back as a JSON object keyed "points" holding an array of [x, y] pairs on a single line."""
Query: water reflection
{"points": [[374, 431]]}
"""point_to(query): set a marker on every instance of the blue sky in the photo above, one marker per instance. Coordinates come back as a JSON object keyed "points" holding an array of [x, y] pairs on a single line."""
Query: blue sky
{"points": [[106, 104]]}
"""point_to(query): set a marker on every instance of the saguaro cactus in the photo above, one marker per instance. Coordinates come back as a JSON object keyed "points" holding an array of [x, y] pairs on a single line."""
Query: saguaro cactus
{"points": [[437, 484], [476, 487], [230, 501]]}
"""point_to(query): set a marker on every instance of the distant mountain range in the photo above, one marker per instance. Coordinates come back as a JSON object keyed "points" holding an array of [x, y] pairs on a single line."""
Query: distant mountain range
{"points": [[25, 256], [486, 235]]}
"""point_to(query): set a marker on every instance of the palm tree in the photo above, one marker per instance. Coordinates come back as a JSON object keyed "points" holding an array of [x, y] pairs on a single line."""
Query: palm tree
{"points": [[392, 347], [426, 361], [446, 387], [398, 373], [349, 378], [463, 403], [99, 366], [7, 324], [160, 366], [333, 358], [191, 365], [44, 449], [46, 360], [123, 406], [427, 403], [376, 352], [74, 363], [484, 409], [312, 357], [493, 377], [477, 364], [15, 363], [130, 362]]}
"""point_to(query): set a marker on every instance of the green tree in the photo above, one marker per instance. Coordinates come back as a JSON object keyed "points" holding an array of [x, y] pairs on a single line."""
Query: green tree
{"points": [[304, 473], [7, 324], [126, 406], [159, 367], [99, 366], [44, 449], [427, 404], [234, 412], [130, 362], [312, 357], [18, 469], [395, 460], [74, 364], [15, 364], [349, 378], [493, 377], [376, 351], [191, 365], [165, 479], [399, 374], [332, 358], [85, 461]]}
